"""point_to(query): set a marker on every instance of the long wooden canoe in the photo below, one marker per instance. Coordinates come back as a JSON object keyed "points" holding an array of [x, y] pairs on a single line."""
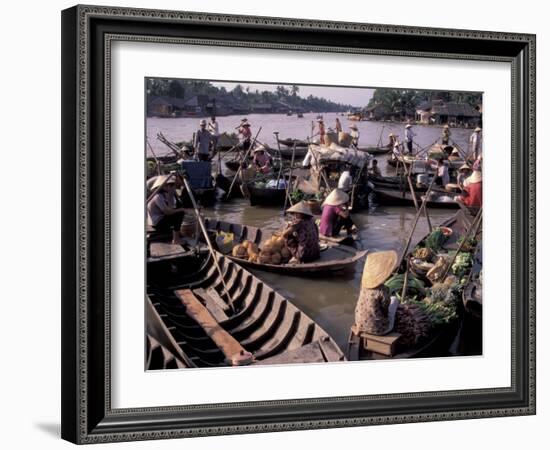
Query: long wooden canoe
{"points": [[374, 150], [395, 197], [289, 142], [333, 258], [262, 321]]}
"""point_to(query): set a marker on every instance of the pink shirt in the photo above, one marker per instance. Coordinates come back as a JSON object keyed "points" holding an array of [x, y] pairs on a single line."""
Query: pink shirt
{"points": [[328, 219]]}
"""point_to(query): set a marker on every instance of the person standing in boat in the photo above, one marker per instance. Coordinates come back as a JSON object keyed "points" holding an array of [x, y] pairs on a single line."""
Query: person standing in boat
{"points": [[301, 235], [445, 135], [214, 130], [162, 213], [442, 177], [202, 142], [336, 215], [409, 137], [262, 160], [338, 126], [322, 132], [354, 135], [392, 140], [475, 143], [246, 134], [473, 192]]}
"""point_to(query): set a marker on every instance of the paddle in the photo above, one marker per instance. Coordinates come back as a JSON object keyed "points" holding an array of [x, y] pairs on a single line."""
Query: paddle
{"points": [[207, 239], [240, 165]]}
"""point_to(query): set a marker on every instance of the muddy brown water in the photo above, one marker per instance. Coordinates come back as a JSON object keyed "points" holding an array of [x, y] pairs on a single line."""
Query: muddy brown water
{"points": [[328, 299]]}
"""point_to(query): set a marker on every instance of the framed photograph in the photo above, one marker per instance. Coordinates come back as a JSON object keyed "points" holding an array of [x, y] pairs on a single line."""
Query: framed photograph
{"points": [[281, 224]]}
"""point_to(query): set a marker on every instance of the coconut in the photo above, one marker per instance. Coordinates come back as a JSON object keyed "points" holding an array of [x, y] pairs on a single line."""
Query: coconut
{"points": [[246, 243], [252, 247], [264, 259], [254, 257], [276, 258], [285, 253], [266, 245], [237, 249]]}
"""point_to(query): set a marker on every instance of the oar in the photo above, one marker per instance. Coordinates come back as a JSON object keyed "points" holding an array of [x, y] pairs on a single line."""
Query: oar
{"points": [[287, 187], [475, 226], [240, 165], [207, 239], [418, 213], [154, 156]]}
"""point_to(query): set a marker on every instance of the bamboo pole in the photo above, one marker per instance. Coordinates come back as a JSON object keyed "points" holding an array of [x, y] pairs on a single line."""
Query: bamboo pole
{"points": [[154, 156], [240, 165], [207, 239], [289, 184], [418, 213], [475, 226]]}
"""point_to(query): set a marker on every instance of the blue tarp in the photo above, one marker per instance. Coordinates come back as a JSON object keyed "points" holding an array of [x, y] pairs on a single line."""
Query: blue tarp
{"points": [[199, 174]]}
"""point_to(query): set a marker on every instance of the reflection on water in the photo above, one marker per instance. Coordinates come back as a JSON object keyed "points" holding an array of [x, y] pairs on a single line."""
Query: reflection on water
{"points": [[330, 299]]}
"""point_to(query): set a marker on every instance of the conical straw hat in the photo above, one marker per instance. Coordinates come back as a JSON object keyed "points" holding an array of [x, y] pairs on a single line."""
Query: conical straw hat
{"points": [[161, 180], [301, 208], [378, 267], [336, 197], [477, 129], [475, 177]]}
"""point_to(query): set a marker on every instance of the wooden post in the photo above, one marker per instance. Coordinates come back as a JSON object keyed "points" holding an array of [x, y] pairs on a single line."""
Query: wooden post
{"points": [[287, 187]]}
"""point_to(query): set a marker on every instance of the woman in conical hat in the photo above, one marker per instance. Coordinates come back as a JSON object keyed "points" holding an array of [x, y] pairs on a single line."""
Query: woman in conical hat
{"points": [[162, 213], [374, 313], [301, 235], [336, 215], [464, 171], [473, 191]]}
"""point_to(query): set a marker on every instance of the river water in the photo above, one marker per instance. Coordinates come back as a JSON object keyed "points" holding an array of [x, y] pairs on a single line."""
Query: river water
{"points": [[329, 300]]}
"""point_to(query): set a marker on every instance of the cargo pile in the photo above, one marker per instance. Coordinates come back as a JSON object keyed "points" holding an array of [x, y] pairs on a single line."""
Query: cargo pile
{"points": [[271, 251]]}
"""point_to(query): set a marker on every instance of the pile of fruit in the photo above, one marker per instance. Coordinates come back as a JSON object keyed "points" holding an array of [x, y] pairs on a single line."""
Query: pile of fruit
{"points": [[271, 251]]}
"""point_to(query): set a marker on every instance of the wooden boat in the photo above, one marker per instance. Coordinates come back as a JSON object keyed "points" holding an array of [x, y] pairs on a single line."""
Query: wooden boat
{"points": [[374, 150], [439, 343], [394, 197], [333, 258], [299, 152], [289, 142], [265, 196], [261, 321]]}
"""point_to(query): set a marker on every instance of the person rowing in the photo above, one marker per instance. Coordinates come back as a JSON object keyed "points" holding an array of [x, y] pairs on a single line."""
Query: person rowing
{"points": [[262, 160]]}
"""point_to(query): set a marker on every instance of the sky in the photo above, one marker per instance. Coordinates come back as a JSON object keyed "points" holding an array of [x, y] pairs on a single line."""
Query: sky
{"points": [[358, 97]]}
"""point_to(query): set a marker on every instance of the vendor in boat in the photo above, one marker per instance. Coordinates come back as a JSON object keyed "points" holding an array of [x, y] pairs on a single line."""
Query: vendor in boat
{"points": [[409, 137], [374, 311], [301, 235], [392, 141], [445, 135], [214, 130], [475, 143], [162, 213], [473, 193], [454, 156], [322, 132], [246, 134], [336, 215], [345, 181], [262, 160], [442, 177], [202, 142], [338, 125], [354, 135], [464, 172], [374, 170]]}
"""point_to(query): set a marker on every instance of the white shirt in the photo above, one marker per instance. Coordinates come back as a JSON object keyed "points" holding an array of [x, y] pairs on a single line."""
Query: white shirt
{"points": [[409, 134], [443, 172], [214, 128], [345, 181], [475, 143], [307, 160], [157, 206]]}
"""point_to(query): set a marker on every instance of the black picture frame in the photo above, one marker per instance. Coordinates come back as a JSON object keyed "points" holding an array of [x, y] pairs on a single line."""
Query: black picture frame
{"points": [[87, 33]]}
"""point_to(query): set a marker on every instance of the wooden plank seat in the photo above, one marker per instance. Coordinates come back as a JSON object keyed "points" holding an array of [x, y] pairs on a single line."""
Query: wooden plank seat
{"points": [[234, 352]]}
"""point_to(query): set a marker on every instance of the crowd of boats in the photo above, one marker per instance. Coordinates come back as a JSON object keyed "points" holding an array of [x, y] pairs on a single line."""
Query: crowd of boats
{"points": [[207, 305]]}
